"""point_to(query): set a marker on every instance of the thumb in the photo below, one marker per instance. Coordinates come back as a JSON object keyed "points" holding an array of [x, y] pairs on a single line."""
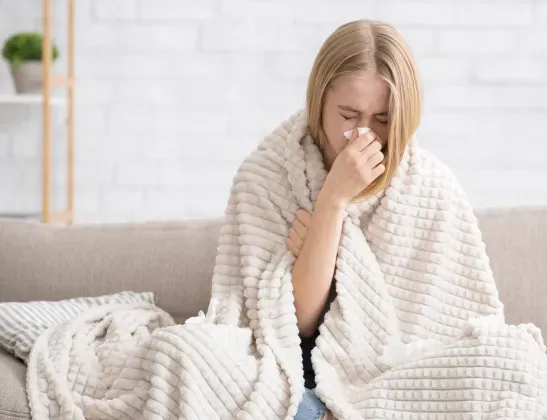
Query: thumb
{"points": [[351, 135]]}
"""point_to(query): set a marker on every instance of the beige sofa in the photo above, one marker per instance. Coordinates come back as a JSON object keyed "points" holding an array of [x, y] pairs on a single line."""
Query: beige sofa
{"points": [[175, 260]]}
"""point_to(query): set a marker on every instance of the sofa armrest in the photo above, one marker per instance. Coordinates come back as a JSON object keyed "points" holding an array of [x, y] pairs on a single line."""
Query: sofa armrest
{"points": [[175, 260]]}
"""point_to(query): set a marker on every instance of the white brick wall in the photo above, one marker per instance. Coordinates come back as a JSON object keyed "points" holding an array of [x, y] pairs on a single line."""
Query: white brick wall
{"points": [[171, 95]]}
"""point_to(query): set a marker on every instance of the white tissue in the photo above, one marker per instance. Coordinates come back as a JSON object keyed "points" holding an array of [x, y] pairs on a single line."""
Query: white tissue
{"points": [[360, 131], [205, 318]]}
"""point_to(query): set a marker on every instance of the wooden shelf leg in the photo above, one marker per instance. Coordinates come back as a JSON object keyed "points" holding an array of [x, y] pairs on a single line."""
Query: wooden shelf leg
{"points": [[68, 82], [70, 117], [46, 114]]}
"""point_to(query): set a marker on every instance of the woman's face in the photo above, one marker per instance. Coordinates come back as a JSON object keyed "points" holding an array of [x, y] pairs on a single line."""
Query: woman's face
{"points": [[354, 101]]}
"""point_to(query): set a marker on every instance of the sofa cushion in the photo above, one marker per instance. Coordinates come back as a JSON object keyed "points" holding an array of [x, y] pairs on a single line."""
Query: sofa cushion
{"points": [[13, 396], [172, 259]]}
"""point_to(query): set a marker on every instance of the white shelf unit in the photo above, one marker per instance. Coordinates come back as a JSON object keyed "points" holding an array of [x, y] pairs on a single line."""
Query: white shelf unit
{"points": [[30, 99], [48, 99]]}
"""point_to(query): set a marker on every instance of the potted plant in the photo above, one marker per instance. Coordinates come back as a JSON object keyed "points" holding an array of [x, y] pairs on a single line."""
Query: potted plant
{"points": [[23, 51]]}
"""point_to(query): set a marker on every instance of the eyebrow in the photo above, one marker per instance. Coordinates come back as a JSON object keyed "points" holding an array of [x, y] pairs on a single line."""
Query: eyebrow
{"points": [[350, 109]]}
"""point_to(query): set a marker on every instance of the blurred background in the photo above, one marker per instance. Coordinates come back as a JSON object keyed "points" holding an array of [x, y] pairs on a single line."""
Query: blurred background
{"points": [[170, 96]]}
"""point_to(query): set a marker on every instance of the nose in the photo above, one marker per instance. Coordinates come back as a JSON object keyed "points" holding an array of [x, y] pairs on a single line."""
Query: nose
{"points": [[363, 121]]}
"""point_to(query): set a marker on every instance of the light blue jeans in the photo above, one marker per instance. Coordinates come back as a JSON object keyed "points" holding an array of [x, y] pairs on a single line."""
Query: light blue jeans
{"points": [[311, 407]]}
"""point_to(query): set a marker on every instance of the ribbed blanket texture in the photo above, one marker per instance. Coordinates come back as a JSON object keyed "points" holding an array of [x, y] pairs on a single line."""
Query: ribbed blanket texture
{"points": [[416, 331]]}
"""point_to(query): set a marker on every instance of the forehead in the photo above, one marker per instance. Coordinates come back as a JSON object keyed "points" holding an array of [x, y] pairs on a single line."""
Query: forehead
{"points": [[366, 92]]}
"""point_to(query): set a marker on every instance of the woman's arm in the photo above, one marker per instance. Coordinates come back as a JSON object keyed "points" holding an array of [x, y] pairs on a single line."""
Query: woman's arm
{"points": [[355, 167], [313, 270]]}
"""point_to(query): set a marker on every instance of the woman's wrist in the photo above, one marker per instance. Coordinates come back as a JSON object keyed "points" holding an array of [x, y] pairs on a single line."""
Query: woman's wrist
{"points": [[328, 201]]}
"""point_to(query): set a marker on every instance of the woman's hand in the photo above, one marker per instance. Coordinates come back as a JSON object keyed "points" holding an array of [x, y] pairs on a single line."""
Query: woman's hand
{"points": [[354, 169], [298, 231]]}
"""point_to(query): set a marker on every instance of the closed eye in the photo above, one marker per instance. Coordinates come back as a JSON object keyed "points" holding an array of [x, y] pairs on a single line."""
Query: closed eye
{"points": [[382, 117], [347, 117]]}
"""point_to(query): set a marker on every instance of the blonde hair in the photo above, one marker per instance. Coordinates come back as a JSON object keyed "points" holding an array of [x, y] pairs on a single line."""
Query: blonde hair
{"points": [[364, 46]]}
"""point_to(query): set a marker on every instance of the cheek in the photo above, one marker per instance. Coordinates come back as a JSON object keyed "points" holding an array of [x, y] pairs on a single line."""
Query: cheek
{"points": [[334, 129]]}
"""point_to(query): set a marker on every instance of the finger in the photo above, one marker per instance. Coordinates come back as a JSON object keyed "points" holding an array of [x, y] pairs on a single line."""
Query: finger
{"points": [[361, 142], [375, 159], [350, 134], [371, 149], [292, 248], [300, 229], [354, 135], [295, 239], [377, 170], [304, 216]]}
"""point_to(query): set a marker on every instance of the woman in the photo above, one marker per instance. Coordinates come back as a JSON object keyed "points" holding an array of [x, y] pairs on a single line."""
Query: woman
{"points": [[363, 77], [351, 274]]}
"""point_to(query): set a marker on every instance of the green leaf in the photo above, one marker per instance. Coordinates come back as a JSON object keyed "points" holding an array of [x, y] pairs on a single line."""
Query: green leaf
{"points": [[26, 46]]}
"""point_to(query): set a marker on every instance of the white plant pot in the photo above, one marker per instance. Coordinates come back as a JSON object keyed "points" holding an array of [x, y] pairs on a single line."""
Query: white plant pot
{"points": [[28, 77]]}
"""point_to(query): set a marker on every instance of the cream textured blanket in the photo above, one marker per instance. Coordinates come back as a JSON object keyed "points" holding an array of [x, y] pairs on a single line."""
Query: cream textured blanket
{"points": [[416, 331]]}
